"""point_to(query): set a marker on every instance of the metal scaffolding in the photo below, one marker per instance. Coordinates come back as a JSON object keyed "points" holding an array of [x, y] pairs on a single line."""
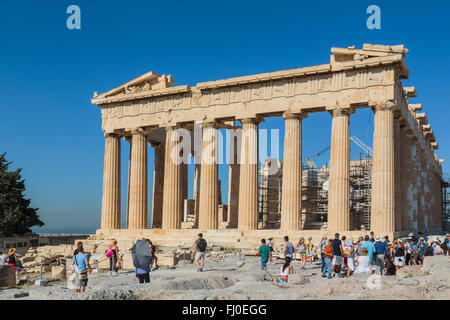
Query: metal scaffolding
{"points": [[315, 195]]}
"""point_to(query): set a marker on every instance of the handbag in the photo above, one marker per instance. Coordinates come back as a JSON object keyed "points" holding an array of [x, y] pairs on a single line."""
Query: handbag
{"points": [[118, 265], [83, 275], [347, 252], [109, 253]]}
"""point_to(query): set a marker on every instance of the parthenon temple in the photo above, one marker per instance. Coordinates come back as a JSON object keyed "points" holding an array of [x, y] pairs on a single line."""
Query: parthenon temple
{"points": [[402, 181]]}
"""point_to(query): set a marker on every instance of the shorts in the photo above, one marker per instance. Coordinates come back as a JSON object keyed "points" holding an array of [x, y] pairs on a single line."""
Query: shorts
{"points": [[302, 254], [337, 260], [80, 283], [199, 256], [264, 263], [350, 263]]}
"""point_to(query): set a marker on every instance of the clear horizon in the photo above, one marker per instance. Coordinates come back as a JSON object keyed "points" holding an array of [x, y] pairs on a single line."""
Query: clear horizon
{"points": [[49, 74]]}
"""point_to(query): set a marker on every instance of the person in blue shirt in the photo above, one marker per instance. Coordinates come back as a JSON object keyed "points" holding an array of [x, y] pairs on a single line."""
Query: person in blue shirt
{"points": [[370, 248], [81, 262], [381, 253]]}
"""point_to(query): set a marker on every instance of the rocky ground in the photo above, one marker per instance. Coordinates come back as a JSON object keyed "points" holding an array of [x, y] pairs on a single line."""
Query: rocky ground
{"points": [[240, 278]]}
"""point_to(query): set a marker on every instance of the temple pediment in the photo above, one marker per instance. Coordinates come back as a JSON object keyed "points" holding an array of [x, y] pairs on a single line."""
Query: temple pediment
{"points": [[145, 83]]}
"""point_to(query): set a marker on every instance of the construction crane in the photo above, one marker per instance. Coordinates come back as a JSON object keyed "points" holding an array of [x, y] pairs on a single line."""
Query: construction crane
{"points": [[320, 152], [362, 145]]}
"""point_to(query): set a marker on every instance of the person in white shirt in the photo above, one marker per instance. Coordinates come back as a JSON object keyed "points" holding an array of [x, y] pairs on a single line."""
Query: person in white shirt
{"points": [[363, 262], [2, 258]]}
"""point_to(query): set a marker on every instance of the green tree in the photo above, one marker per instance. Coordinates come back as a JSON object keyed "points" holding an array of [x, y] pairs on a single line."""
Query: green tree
{"points": [[16, 217]]}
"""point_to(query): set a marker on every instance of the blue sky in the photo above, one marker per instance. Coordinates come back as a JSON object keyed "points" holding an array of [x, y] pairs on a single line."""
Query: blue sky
{"points": [[49, 73]]}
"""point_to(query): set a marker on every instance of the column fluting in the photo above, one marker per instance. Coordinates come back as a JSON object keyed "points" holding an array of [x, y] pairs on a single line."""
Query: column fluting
{"points": [[291, 200], [383, 173], [339, 180], [138, 207], [208, 210], [172, 203], [111, 183], [248, 181]]}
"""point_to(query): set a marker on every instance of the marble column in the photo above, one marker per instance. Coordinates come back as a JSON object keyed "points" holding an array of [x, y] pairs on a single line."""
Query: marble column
{"points": [[111, 183], [248, 181], [339, 181], [158, 182], [404, 158], [233, 181], [397, 170], [128, 139], [383, 174], [172, 194], [291, 199], [208, 215], [196, 192], [138, 182]]}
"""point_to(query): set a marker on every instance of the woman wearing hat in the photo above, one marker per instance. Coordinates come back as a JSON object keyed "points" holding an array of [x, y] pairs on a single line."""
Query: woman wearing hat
{"points": [[13, 261]]}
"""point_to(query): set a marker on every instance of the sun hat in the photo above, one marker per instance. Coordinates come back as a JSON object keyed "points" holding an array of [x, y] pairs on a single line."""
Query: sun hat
{"points": [[12, 250], [421, 238], [411, 234], [378, 238]]}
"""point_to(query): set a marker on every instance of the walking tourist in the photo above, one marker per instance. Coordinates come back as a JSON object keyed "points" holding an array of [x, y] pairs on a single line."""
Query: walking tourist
{"points": [[337, 252], [301, 249], [114, 259], [380, 249], [2, 258], [349, 255], [408, 249], [323, 244], [328, 256], [309, 250], [422, 246], [13, 261], [264, 251], [200, 249], [288, 248], [399, 255], [142, 260], [363, 262], [389, 261], [370, 248], [154, 257], [271, 250], [414, 249], [81, 262], [436, 245], [285, 270]]}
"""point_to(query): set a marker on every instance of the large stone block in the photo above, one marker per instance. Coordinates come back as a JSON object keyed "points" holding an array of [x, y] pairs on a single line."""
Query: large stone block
{"points": [[7, 276], [59, 272]]}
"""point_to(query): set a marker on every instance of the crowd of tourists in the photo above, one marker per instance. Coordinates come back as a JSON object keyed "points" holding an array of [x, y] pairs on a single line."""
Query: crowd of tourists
{"points": [[340, 256], [343, 257]]}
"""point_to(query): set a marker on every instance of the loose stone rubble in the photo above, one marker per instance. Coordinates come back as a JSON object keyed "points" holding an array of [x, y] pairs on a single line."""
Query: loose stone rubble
{"points": [[239, 277]]}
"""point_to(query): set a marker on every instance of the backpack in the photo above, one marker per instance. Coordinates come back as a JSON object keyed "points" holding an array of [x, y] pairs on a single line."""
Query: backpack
{"points": [[429, 251], [201, 246]]}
